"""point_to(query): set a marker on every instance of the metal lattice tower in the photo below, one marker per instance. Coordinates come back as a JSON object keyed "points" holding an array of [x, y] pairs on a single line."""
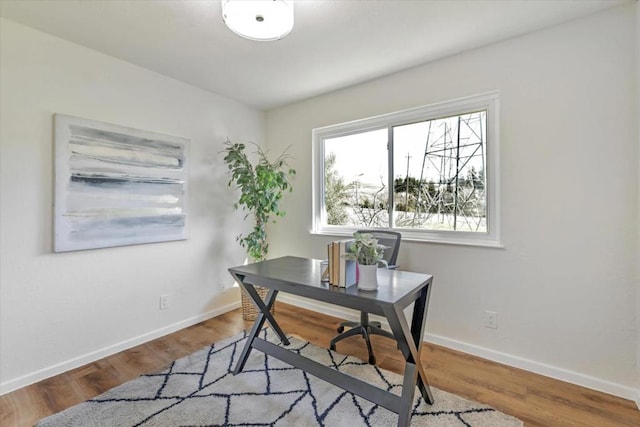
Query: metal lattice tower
{"points": [[454, 169]]}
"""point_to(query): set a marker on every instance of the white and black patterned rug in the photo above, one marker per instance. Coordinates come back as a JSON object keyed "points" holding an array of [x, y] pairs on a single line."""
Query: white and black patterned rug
{"points": [[200, 390]]}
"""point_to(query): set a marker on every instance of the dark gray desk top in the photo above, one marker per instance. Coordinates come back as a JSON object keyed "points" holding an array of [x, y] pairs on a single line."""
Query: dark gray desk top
{"points": [[301, 276]]}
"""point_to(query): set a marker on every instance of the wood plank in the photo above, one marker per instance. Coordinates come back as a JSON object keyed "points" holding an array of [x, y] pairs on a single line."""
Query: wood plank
{"points": [[537, 400]]}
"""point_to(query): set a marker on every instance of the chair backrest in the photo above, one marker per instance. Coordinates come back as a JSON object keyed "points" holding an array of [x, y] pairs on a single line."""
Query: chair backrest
{"points": [[390, 239]]}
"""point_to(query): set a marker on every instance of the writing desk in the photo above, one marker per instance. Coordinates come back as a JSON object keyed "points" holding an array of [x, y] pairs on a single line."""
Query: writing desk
{"points": [[301, 276]]}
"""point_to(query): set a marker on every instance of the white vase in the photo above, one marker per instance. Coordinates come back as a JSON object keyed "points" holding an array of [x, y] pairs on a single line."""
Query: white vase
{"points": [[367, 277]]}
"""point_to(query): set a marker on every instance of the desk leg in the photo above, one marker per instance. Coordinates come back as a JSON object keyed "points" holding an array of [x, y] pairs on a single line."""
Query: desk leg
{"points": [[257, 327], [417, 333], [264, 314], [408, 391], [265, 309], [410, 343]]}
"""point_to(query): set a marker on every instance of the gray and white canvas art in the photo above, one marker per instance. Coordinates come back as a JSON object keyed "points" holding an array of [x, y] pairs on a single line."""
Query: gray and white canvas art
{"points": [[117, 186]]}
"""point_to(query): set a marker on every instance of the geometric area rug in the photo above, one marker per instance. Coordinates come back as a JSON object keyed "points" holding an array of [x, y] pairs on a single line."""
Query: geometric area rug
{"points": [[200, 390]]}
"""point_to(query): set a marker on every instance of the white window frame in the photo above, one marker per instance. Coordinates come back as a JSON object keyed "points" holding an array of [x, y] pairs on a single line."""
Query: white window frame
{"points": [[487, 101]]}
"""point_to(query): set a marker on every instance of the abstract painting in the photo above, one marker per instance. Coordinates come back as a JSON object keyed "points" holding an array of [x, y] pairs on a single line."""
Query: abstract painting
{"points": [[117, 186]]}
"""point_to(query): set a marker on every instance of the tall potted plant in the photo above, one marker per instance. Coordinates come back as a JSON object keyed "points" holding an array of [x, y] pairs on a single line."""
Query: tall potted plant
{"points": [[261, 186]]}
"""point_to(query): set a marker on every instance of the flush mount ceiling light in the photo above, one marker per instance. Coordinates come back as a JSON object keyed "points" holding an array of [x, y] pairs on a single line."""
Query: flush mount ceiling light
{"points": [[262, 20]]}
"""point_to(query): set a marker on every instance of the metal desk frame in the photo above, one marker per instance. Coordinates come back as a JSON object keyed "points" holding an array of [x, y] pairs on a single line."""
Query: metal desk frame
{"points": [[301, 276]]}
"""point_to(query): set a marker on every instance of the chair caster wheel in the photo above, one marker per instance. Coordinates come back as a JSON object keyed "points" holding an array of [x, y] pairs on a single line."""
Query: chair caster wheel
{"points": [[372, 360], [340, 329], [332, 347]]}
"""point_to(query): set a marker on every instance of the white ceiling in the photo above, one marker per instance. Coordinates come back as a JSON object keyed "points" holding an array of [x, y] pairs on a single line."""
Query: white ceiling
{"points": [[334, 43]]}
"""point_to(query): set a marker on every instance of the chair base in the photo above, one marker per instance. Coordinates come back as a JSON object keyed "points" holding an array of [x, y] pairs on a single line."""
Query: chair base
{"points": [[364, 328]]}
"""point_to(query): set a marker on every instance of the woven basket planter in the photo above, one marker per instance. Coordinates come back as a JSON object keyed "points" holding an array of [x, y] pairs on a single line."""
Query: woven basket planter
{"points": [[249, 309]]}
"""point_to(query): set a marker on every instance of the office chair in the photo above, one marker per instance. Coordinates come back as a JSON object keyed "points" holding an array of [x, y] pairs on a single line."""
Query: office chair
{"points": [[390, 239]]}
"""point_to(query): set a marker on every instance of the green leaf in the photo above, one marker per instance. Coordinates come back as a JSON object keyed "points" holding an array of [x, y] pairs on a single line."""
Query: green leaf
{"points": [[261, 186]]}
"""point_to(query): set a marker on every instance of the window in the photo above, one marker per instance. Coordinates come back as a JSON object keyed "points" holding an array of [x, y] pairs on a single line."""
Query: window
{"points": [[429, 172]]}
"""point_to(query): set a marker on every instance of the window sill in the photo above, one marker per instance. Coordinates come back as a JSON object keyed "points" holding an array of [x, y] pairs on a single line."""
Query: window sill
{"points": [[484, 242]]}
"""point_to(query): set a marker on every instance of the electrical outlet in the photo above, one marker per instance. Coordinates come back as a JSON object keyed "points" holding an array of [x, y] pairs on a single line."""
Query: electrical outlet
{"points": [[491, 319], [164, 302]]}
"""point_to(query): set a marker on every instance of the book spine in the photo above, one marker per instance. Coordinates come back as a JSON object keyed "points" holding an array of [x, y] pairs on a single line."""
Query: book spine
{"points": [[336, 264], [330, 262], [350, 268], [342, 262]]}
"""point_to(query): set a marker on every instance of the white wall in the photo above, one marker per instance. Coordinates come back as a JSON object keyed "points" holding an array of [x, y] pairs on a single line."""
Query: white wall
{"points": [[638, 262], [61, 310], [564, 285]]}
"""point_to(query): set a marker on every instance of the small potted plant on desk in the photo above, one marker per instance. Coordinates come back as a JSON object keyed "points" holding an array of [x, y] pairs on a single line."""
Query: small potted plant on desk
{"points": [[261, 186], [368, 253]]}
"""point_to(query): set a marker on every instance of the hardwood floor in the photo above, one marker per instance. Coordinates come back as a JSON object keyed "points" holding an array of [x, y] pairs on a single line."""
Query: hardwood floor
{"points": [[537, 400]]}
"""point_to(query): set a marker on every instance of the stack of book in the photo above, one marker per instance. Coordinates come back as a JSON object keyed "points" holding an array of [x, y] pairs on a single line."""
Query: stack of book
{"points": [[341, 272]]}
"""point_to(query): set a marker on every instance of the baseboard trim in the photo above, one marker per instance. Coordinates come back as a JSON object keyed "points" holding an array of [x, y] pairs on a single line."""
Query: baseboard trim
{"points": [[551, 371], [554, 372], [17, 383]]}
